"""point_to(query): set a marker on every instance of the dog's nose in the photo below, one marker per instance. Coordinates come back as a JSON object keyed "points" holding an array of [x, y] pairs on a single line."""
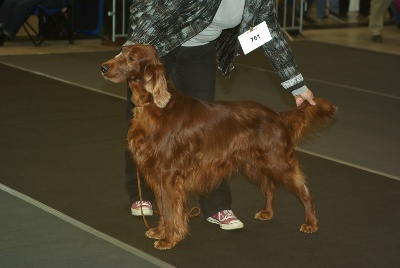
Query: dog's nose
{"points": [[104, 68]]}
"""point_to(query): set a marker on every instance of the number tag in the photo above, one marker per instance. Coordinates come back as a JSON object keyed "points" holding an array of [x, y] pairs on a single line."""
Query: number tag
{"points": [[255, 37]]}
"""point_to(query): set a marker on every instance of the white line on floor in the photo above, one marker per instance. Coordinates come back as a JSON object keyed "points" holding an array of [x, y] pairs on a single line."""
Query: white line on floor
{"points": [[349, 164], [324, 82], [85, 227]]}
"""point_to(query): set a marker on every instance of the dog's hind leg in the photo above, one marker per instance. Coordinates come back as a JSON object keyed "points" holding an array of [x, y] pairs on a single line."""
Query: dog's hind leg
{"points": [[284, 172], [269, 192], [295, 181], [311, 224], [258, 174]]}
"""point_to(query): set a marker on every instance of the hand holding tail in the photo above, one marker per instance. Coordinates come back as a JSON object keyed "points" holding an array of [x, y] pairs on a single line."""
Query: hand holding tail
{"points": [[308, 96]]}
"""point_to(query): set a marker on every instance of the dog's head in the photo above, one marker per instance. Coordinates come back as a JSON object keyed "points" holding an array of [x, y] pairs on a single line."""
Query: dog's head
{"points": [[141, 67]]}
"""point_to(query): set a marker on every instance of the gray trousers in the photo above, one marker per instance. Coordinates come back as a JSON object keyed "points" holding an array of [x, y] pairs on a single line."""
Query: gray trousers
{"points": [[377, 14]]}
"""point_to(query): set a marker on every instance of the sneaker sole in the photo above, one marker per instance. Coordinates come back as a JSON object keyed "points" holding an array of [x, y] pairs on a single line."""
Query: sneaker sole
{"points": [[237, 225], [146, 212]]}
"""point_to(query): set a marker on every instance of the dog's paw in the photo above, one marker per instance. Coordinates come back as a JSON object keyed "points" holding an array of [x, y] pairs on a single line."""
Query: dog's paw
{"points": [[309, 227], [264, 215], [154, 233], [163, 244]]}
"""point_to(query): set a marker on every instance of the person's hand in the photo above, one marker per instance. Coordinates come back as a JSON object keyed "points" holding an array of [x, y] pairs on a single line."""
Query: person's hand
{"points": [[306, 96]]}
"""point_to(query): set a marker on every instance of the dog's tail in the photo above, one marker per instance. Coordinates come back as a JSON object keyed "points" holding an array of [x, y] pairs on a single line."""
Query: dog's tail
{"points": [[307, 118]]}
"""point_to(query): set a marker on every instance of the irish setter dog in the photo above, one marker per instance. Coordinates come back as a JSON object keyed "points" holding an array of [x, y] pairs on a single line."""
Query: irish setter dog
{"points": [[182, 145]]}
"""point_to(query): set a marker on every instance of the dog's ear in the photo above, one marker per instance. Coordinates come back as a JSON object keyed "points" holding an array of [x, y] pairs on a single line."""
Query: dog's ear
{"points": [[156, 83]]}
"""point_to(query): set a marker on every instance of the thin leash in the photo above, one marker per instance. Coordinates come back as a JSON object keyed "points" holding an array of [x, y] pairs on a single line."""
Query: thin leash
{"points": [[141, 200]]}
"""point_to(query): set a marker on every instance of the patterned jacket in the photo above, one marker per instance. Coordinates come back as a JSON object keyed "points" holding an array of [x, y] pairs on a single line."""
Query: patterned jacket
{"points": [[167, 24]]}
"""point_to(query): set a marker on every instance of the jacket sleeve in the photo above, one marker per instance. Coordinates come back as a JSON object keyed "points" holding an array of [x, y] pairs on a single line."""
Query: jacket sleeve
{"points": [[278, 51], [149, 18]]}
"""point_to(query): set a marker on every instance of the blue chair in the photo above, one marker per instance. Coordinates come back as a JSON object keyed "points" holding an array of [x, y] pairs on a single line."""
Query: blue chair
{"points": [[86, 21], [54, 23]]}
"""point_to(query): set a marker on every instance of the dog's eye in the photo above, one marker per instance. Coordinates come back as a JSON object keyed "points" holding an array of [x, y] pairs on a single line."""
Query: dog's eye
{"points": [[132, 58]]}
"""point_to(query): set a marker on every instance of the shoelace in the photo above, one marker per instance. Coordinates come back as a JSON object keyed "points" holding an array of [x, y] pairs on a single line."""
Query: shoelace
{"points": [[139, 203], [226, 215]]}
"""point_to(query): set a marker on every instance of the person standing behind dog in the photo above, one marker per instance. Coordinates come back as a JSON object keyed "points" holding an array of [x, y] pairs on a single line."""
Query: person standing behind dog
{"points": [[13, 14], [189, 36], [376, 18]]}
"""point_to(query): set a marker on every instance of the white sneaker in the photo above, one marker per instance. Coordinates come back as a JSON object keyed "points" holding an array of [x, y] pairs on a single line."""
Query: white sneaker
{"points": [[226, 220], [138, 206]]}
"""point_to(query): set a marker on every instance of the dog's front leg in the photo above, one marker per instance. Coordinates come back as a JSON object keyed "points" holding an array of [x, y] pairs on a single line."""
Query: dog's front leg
{"points": [[174, 214], [159, 231]]}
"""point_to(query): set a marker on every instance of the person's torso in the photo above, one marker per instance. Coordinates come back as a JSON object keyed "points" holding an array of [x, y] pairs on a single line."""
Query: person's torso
{"points": [[229, 15]]}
